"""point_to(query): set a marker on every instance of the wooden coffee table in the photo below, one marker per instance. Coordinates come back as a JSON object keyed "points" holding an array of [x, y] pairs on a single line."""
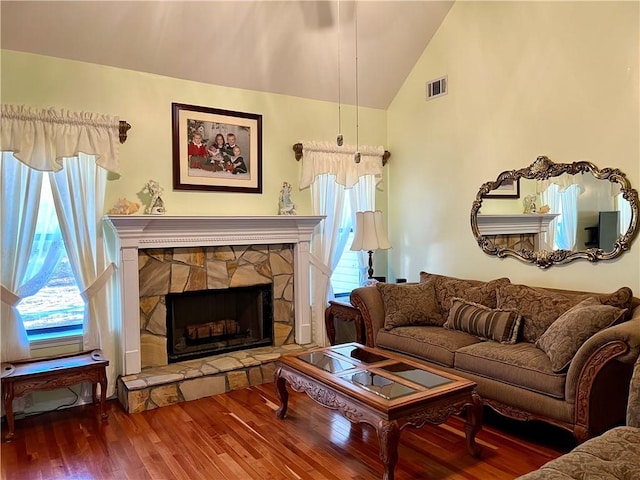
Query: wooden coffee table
{"points": [[385, 390]]}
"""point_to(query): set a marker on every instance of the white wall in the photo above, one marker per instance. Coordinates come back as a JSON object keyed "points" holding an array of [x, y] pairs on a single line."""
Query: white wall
{"points": [[525, 79]]}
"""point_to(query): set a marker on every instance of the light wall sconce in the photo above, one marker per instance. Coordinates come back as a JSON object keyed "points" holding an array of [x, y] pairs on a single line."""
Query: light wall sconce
{"points": [[370, 235]]}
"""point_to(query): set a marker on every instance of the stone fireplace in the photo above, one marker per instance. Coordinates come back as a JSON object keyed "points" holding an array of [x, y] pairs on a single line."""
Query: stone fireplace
{"points": [[201, 301], [160, 255]]}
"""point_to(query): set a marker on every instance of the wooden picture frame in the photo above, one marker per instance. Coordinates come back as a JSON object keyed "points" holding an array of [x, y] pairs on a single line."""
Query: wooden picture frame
{"points": [[201, 163], [508, 188]]}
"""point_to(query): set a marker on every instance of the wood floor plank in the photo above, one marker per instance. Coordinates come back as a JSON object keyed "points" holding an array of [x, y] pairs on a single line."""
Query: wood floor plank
{"points": [[237, 436]]}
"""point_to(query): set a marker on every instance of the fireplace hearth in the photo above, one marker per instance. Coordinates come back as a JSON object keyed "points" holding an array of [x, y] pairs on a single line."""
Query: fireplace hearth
{"points": [[211, 322]]}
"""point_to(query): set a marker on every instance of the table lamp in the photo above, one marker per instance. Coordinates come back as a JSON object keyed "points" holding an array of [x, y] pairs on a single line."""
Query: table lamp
{"points": [[370, 235]]}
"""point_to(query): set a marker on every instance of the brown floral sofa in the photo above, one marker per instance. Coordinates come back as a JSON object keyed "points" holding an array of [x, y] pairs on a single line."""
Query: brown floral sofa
{"points": [[561, 356], [613, 455]]}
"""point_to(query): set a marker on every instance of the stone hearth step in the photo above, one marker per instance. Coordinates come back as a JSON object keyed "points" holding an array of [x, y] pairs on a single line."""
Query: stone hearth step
{"points": [[179, 382]]}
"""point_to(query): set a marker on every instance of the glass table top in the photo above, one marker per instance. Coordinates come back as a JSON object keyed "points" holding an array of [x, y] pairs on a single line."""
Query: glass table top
{"points": [[357, 353], [416, 375], [382, 386], [326, 362]]}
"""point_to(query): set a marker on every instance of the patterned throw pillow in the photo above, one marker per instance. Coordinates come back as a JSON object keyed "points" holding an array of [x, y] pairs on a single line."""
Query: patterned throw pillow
{"points": [[538, 308], [484, 322], [564, 337], [409, 304], [476, 291]]}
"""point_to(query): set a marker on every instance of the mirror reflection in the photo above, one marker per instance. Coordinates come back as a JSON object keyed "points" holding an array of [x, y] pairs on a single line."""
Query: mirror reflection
{"points": [[561, 212]]}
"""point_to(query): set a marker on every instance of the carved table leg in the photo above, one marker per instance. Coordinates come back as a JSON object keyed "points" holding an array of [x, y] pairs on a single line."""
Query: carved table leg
{"points": [[7, 397], [330, 326], [103, 394], [281, 393], [474, 424], [388, 436]]}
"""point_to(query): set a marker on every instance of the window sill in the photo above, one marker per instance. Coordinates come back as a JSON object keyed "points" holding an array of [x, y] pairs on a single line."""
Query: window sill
{"points": [[58, 339]]}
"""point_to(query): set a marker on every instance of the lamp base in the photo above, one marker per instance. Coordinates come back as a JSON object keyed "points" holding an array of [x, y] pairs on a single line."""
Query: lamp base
{"points": [[370, 271]]}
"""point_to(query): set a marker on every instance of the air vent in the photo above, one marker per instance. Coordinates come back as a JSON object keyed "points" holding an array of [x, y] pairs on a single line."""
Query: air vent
{"points": [[437, 88]]}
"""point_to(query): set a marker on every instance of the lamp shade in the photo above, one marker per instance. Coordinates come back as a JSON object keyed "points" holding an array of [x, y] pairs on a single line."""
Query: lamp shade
{"points": [[370, 233]]}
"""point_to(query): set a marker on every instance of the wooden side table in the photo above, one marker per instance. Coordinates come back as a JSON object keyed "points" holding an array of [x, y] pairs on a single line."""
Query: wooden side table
{"points": [[345, 312], [51, 373]]}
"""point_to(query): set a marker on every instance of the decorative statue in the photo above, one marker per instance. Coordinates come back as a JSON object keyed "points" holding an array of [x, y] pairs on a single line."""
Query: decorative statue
{"points": [[529, 204], [156, 205], [286, 206]]}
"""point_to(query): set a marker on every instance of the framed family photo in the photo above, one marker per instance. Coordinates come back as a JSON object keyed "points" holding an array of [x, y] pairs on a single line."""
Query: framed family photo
{"points": [[217, 150]]}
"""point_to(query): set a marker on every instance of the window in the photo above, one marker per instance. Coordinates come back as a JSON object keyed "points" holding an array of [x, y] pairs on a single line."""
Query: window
{"points": [[55, 305], [346, 275]]}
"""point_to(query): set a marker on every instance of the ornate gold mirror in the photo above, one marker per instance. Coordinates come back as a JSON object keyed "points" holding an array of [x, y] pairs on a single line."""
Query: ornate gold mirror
{"points": [[553, 213]]}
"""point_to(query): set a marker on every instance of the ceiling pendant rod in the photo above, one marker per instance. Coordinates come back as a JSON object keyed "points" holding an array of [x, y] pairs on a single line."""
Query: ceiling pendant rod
{"points": [[356, 157], [339, 138]]}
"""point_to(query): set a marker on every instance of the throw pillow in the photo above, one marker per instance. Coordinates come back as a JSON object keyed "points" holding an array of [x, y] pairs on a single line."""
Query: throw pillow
{"points": [[476, 291], [564, 337], [409, 304], [539, 308], [484, 322]]}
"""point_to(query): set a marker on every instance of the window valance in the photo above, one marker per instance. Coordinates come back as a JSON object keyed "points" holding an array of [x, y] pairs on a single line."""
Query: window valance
{"points": [[41, 138], [327, 158]]}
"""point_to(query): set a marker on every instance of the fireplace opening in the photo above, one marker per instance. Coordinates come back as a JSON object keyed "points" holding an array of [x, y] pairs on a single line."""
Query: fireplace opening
{"points": [[211, 322]]}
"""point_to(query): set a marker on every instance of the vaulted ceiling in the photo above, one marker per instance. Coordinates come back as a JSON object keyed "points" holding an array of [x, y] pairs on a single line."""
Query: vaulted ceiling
{"points": [[285, 47]]}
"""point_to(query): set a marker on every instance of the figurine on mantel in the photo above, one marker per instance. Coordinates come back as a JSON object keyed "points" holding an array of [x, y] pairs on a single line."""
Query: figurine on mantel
{"points": [[156, 205], [529, 204], [285, 205]]}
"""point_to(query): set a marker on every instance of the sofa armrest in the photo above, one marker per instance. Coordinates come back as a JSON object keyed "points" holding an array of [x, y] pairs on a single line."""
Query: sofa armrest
{"points": [[602, 367], [627, 333], [369, 301]]}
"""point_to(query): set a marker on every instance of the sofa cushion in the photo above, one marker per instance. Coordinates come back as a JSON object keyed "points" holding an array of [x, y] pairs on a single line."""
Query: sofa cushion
{"points": [[409, 304], [435, 344], [486, 323], [476, 291], [564, 337], [521, 364]]}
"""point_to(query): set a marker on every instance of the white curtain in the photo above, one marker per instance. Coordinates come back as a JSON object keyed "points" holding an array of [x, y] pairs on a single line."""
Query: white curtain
{"points": [[550, 197], [330, 171], [21, 188], [78, 192], [564, 228], [568, 228], [624, 207], [81, 148], [329, 235]]}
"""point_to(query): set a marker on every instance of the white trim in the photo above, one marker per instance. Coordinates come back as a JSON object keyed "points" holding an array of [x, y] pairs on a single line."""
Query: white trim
{"points": [[163, 231], [52, 340]]}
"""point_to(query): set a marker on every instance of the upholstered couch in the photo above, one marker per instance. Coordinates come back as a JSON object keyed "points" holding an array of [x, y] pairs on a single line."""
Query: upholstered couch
{"points": [[613, 455], [560, 356]]}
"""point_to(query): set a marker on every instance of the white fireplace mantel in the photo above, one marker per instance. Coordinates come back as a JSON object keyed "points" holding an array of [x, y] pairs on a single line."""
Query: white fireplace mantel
{"points": [[135, 232], [513, 224]]}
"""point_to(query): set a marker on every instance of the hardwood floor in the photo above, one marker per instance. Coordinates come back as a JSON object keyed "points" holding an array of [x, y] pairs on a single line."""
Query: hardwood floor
{"points": [[237, 436]]}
